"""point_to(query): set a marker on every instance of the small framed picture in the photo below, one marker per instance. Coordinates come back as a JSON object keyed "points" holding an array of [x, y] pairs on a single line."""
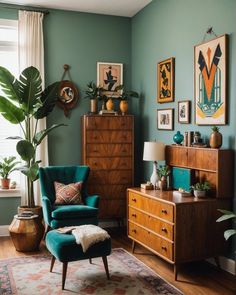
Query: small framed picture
{"points": [[166, 80], [165, 119], [109, 76], [184, 111]]}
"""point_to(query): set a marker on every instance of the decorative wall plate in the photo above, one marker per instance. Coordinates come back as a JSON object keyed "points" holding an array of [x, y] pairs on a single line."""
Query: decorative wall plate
{"points": [[68, 96]]}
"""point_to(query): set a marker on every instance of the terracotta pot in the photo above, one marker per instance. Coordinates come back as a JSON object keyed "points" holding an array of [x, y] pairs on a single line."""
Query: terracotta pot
{"points": [[162, 183], [215, 140], [93, 106], [124, 106], [5, 183], [110, 105]]}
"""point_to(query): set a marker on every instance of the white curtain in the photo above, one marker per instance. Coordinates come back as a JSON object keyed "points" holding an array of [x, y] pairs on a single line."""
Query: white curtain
{"points": [[31, 53]]}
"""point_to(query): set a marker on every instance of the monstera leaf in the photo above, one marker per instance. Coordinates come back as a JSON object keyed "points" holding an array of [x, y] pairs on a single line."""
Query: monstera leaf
{"points": [[10, 112], [9, 85]]}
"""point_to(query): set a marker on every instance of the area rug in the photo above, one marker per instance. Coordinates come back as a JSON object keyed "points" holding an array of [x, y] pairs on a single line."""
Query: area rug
{"points": [[129, 276]]}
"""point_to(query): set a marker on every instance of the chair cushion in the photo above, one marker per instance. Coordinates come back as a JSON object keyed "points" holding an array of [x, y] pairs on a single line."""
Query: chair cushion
{"points": [[73, 211], [68, 193]]}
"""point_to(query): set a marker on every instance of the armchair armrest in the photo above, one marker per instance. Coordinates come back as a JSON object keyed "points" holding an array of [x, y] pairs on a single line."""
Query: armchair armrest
{"points": [[47, 210], [92, 201]]}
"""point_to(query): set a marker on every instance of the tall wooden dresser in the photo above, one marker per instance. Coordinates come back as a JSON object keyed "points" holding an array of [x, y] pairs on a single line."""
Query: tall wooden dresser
{"points": [[108, 149], [182, 229]]}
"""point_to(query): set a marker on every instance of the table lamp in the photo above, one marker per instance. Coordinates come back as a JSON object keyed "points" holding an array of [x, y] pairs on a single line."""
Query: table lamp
{"points": [[154, 151]]}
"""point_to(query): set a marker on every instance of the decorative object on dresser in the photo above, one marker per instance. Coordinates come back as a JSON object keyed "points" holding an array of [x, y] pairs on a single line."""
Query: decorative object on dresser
{"points": [[93, 93], [184, 111], [166, 79], [215, 138], [182, 178], [165, 119], [178, 137], [108, 149], [210, 82], [163, 172], [124, 97], [182, 229], [200, 189], [154, 151]]}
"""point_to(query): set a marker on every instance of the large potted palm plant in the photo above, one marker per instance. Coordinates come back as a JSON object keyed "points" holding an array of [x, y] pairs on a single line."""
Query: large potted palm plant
{"points": [[25, 101]]}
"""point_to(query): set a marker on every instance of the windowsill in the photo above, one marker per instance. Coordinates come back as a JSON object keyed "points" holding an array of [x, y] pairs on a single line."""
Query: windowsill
{"points": [[10, 193]]}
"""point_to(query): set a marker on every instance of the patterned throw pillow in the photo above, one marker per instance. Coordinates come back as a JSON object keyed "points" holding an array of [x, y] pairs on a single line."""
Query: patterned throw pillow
{"points": [[68, 194]]}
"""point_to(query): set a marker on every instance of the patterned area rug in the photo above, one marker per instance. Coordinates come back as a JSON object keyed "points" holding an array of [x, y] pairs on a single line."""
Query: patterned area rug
{"points": [[129, 276]]}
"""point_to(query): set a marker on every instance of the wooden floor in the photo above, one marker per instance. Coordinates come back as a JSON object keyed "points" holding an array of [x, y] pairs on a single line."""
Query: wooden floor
{"points": [[193, 279]]}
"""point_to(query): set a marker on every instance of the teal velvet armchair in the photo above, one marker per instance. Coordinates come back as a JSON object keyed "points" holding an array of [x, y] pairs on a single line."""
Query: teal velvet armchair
{"points": [[56, 216]]}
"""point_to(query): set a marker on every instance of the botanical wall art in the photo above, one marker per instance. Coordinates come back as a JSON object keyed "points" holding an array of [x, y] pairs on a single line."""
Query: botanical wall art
{"points": [[184, 111], [210, 67], [165, 119], [165, 77], [109, 76]]}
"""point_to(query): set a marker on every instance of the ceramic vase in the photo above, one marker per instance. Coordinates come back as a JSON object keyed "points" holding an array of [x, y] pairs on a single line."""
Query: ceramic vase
{"points": [[93, 106], [178, 137], [199, 194], [215, 140], [110, 105], [124, 106], [162, 183]]}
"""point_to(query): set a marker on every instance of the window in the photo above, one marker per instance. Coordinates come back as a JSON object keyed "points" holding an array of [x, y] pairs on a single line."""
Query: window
{"points": [[9, 60]]}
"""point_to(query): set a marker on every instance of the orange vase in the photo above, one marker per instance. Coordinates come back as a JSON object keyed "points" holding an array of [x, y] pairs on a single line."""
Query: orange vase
{"points": [[124, 107], [110, 105]]}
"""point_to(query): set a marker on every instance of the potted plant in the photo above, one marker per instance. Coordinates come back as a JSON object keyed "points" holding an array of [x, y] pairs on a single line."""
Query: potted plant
{"points": [[226, 216], [7, 165], [125, 94], [163, 172], [93, 93], [25, 102], [200, 189], [215, 138]]}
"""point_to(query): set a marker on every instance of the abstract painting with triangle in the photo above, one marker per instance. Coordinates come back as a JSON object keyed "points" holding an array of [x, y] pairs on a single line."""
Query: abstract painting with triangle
{"points": [[210, 82]]}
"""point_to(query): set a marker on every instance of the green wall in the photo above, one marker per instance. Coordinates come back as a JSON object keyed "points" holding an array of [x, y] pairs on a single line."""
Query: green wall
{"points": [[81, 40], [170, 28]]}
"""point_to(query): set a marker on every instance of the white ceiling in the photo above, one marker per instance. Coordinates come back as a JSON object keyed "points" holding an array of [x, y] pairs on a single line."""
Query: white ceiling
{"points": [[111, 7]]}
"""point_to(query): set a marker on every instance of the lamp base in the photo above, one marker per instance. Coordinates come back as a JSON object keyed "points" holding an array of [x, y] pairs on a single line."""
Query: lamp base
{"points": [[154, 177]]}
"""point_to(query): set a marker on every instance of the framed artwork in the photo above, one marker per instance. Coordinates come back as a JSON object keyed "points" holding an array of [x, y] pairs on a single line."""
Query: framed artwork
{"points": [[109, 76], [210, 82], [165, 119], [166, 77], [184, 111]]}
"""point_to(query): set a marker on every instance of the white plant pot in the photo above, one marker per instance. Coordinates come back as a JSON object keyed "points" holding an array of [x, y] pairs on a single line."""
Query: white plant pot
{"points": [[199, 194]]}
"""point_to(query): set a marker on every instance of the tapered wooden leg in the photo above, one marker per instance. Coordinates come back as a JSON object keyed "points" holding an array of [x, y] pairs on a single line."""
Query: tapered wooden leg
{"points": [[52, 263], [133, 246], [175, 271], [90, 260], [64, 270], [104, 258], [217, 261]]}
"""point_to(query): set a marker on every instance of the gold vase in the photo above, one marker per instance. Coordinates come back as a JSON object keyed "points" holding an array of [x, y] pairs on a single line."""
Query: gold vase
{"points": [[93, 106], [110, 105], [124, 106], [215, 140]]}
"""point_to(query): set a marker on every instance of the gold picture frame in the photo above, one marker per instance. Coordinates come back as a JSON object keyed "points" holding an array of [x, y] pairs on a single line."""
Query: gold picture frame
{"points": [[165, 80]]}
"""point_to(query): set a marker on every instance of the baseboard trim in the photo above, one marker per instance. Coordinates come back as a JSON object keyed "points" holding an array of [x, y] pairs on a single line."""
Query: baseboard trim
{"points": [[4, 232], [226, 264]]}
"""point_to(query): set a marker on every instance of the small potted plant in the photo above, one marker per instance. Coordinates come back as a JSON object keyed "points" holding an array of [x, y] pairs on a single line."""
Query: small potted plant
{"points": [[125, 94], [200, 188], [93, 93], [215, 138], [163, 172], [7, 165]]}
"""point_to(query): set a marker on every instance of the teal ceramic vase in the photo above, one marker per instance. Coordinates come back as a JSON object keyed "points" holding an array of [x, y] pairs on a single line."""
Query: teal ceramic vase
{"points": [[178, 137]]}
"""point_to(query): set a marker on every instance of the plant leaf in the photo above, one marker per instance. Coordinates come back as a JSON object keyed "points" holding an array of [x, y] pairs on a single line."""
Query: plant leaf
{"points": [[25, 149], [225, 211], [31, 172], [9, 85], [41, 134], [228, 233], [48, 100], [225, 217], [10, 112], [14, 137]]}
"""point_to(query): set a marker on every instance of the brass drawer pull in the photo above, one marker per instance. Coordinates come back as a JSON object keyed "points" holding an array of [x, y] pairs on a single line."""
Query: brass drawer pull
{"points": [[134, 215], [134, 231], [163, 248], [164, 229], [133, 199], [164, 211]]}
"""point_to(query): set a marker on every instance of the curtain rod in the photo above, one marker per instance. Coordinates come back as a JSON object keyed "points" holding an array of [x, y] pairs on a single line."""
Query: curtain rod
{"points": [[22, 7]]}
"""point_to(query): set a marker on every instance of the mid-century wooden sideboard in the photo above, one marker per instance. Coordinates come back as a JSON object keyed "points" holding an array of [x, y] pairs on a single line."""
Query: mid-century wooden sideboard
{"points": [[184, 229]]}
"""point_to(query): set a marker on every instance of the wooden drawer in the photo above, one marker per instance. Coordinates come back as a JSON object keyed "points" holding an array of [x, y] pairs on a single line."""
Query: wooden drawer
{"points": [[111, 177], [154, 207], [160, 227], [203, 159], [109, 163], [109, 122], [108, 150], [105, 191], [157, 244], [108, 136], [176, 156]]}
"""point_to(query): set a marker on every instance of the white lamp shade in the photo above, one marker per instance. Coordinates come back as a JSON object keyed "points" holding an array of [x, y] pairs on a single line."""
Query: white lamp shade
{"points": [[154, 151]]}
